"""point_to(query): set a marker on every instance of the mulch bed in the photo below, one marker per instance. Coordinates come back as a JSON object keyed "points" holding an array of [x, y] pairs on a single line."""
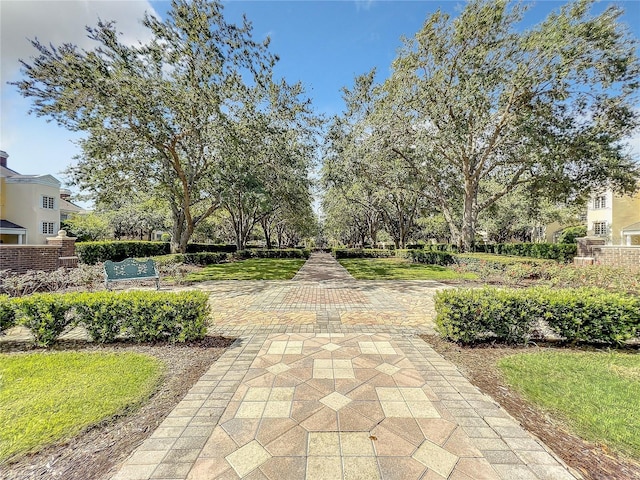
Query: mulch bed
{"points": [[478, 364], [98, 452]]}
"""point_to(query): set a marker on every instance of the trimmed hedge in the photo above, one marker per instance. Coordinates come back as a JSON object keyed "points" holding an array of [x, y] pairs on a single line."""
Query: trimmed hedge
{"points": [[155, 316], [273, 253], [591, 314], [95, 252], [430, 257], [7, 313], [142, 316], [201, 258], [477, 315], [211, 248], [362, 253], [511, 316], [46, 315], [562, 252], [116, 251]]}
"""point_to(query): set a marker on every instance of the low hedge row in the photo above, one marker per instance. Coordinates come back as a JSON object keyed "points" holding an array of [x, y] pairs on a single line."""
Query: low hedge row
{"points": [[430, 257], [7, 313], [273, 253], [562, 252], [201, 258], [362, 253], [197, 253], [512, 316], [141, 316], [95, 252], [211, 248]]}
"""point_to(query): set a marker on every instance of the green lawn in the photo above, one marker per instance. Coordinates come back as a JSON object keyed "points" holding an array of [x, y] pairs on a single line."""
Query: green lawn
{"points": [[48, 397], [398, 269], [252, 269], [598, 394]]}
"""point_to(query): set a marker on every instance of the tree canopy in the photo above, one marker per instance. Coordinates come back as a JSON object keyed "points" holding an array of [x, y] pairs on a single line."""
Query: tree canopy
{"points": [[475, 109], [165, 118]]}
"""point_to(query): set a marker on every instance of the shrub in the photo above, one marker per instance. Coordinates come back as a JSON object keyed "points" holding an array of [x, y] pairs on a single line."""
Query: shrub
{"points": [[201, 258], [476, 315], [211, 248], [18, 285], [442, 247], [570, 234], [159, 316], [86, 276], [362, 253], [46, 315], [101, 314], [7, 313], [619, 279], [430, 257], [94, 252], [143, 316], [585, 314], [272, 253], [590, 314]]}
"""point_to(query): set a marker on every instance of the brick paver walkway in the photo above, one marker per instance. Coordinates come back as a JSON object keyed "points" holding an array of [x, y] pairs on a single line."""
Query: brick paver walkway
{"points": [[328, 380]]}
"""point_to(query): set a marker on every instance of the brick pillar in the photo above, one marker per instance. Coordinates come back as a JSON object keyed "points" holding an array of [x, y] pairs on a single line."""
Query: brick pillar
{"points": [[66, 248], [586, 244]]}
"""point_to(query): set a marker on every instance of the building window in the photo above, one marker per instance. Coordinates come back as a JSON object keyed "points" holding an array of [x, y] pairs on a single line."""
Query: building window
{"points": [[539, 232], [48, 202], [47, 228], [599, 228], [600, 202]]}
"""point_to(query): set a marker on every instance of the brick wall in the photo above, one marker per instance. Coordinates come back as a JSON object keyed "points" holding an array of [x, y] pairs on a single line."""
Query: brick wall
{"points": [[59, 252], [20, 258], [617, 256]]}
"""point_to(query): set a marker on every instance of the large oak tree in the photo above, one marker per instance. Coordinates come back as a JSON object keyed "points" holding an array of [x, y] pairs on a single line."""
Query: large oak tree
{"points": [[160, 118], [475, 102]]}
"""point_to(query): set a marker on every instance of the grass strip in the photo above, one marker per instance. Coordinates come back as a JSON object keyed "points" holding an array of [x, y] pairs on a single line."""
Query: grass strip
{"points": [[251, 269], [48, 397], [597, 393], [399, 269]]}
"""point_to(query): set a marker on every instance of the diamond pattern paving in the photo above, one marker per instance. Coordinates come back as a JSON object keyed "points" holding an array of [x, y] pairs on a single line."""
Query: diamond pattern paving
{"points": [[296, 399]]}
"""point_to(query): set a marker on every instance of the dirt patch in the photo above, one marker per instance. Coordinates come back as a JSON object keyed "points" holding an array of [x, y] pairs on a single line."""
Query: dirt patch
{"points": [[478, 364], [97, 452]]}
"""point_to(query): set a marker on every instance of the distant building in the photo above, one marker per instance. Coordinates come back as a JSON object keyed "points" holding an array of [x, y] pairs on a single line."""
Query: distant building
{"points": [[615, 218], [31, 206]]}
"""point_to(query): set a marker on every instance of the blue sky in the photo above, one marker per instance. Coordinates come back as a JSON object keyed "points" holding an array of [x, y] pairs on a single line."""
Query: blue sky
{"points": [[324, 44]]}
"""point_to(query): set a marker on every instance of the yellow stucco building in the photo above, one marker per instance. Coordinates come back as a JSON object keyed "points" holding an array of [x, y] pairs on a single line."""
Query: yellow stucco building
{"points": [[30, 206], [615, 218]]}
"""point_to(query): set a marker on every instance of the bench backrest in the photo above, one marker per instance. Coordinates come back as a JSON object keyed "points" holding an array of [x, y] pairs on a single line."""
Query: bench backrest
{"points": [[130, 268]]}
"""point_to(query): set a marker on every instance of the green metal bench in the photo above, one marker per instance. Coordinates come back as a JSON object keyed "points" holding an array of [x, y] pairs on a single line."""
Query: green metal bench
{"points": [[130, 269]]}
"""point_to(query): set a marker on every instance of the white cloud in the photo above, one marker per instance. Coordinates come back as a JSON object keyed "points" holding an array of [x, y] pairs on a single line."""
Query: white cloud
{"points": [[363, 4], [61, 21], [34, 145]]}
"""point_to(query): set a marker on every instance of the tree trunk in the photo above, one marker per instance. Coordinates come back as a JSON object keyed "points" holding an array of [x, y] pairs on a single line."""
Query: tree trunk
{"points": [[468, 223], [264, 223], [180, 233]]}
